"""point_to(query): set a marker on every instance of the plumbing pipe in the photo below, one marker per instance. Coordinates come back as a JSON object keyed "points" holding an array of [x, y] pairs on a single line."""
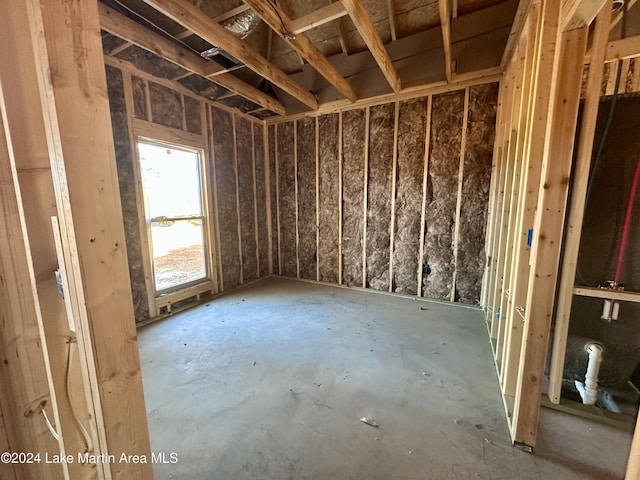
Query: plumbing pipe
{"points": [[589, 389]]}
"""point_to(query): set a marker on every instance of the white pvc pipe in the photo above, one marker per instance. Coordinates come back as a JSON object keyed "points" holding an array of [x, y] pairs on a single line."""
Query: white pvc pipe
{"points": [[589, 389]]}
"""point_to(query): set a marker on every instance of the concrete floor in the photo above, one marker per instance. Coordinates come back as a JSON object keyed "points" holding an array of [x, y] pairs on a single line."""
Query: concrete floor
{"points": [[270, 381]]}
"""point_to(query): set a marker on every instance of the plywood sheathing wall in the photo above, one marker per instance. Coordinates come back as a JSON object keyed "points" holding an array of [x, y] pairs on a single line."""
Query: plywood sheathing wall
{"points": [[126, 180], [236, 162], [458, 170]]}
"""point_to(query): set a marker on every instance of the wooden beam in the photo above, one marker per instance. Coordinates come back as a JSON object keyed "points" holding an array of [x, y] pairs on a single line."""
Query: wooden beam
{"points": [[317, 193], [182, 12], [579, 13], [445, 22], [220, 18], [318, 17], [425, 178], [367, 118], [633, 466], [594, 292], [73, 97], [394, 178], [279, 21], [369, 34], [125, 28], [516, 30], [576, 207], [567, 51], [340, 194], [392, 19], [456, 234]]}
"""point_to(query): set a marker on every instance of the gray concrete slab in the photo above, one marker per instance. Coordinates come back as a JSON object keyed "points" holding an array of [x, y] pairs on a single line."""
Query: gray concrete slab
{"points": [[270, 382]]}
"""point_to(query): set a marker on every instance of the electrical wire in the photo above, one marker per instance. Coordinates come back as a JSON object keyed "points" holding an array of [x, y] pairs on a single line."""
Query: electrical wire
{"points": [[85, 434], [50, 426]]}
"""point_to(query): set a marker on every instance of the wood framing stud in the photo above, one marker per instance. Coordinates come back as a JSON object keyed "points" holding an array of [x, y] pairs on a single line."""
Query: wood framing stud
{"points": [[318, 17], [190, 17], [425, 178], [445, 22], [394, 174], [369, 34]]}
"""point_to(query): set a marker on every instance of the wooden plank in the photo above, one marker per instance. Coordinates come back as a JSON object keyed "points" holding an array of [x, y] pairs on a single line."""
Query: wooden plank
{"points": [[295, 176], [142, 224], [235, 168], [127, 29], [633, 467], [456, 234], [367, 118], [214, 225], [187, 15], [153, 131], [445, 23], [516, 30], [579, 13], [594, 292], [557, 155], [74, 100], [25, 377], [278, 20], [394, 175], [318, 17], [317, 222], [576, 207], [369, 34], [425, 179], [255, 200], [529, 184], [340, 195], [392, 19], [459, 82], [611, 78], [267, 189]]}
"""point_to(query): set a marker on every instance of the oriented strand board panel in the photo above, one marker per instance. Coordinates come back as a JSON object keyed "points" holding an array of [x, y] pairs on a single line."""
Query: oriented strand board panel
{"points": [[222, 125], [193, 115], [353, 139], [307, 249], [273, 197], [379, 195], [261, 204], [245, 196], [444, 162], [166, 107], [329, 198], [139, 87], [410, 170], [287, 197], [126, 180], [475, 191]]}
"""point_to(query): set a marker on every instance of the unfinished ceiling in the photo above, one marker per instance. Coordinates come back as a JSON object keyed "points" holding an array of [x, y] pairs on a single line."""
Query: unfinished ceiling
{"points": [[276, 57]]}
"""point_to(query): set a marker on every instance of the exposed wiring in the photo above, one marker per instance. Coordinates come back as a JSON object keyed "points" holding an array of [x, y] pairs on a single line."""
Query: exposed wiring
{"points": [[290, 36], [49, 426], [85, 434]]}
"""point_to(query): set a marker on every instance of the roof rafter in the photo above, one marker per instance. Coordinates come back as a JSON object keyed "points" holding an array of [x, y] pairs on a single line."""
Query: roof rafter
{"points": [[279, 22], [191, 18], [369, 34], [318, 17], [445, 22], [125, 28]]}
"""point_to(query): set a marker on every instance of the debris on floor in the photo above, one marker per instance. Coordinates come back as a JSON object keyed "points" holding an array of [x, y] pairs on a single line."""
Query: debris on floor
{"points": [[369, 421]]}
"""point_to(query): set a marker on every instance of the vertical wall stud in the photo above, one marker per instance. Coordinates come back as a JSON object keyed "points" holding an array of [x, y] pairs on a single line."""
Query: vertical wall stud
{"points": [[366, 197], [340, 163], [295, 176], [317, 222], [456, 238], [267, 189], [394, 179], [216, 216], [425, 181], [255, 199], [235, 168]]}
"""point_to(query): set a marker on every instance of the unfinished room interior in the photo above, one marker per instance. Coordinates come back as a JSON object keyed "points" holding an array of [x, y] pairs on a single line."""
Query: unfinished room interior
{"points": [[316, 239]]}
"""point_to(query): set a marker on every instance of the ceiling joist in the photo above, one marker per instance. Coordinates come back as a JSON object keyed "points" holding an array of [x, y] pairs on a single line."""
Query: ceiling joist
{"points": [[126, 29], [445, 22], [191, 18], [279, 22], [318, 17], [369, 34]]}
